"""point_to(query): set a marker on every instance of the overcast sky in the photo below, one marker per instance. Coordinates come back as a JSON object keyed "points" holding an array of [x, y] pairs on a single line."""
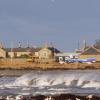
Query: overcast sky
{"points": [[62, 22]]}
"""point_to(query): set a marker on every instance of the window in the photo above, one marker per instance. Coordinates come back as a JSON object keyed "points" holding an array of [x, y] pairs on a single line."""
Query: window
{"points": [[44, 54]]}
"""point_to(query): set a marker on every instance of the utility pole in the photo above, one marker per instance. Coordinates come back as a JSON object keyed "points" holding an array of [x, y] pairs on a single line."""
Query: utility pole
{"points": [[11, 52], [78, 45]]}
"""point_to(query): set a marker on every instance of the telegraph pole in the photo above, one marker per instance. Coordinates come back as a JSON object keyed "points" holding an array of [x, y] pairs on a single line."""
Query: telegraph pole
{"points": [[11, 52]]}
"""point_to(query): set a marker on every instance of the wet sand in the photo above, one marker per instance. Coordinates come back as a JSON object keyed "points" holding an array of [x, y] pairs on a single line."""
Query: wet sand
{"points": [[14, 72], [20, 72]]}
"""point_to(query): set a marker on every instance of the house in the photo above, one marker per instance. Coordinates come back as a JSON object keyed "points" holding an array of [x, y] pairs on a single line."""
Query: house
{"points": [[20, 52], [46, 54], [91, 52], [2, 53]]}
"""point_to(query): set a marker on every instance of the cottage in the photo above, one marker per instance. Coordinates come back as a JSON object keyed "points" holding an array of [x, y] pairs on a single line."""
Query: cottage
{"points": [[2, 53], [46, 54], [43, 54], [20, 52], [91, 52]]}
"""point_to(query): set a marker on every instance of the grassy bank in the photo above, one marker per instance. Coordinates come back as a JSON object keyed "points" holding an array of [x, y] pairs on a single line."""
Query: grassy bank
{"points": [[23, 64]]}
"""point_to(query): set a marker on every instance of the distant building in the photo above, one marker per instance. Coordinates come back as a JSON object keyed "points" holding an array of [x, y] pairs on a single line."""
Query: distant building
{"points": [[64, 56], [46, 54], [20, 52], [91, 52], [43, 54], [88, 51], [2, 53]]}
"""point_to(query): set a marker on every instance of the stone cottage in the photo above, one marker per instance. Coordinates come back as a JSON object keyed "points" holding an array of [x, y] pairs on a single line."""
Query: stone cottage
{"points": [[91, 52]]}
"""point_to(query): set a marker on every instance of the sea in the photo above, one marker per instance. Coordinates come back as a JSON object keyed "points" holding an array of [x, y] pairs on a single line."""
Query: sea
{"points": [[51, 82]]}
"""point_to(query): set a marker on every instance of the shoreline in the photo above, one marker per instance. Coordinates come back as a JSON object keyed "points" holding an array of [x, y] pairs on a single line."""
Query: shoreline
{"points": [[53, 66], [23, 64], [19, 72]]}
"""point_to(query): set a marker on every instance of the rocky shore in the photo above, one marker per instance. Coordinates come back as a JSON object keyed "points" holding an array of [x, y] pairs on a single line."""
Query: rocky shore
{"points": [[54, 97]]}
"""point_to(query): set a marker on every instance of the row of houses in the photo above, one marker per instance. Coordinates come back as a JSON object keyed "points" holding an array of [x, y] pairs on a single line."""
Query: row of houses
{"points": [[49, 53], [43, 53], [87, 52]]}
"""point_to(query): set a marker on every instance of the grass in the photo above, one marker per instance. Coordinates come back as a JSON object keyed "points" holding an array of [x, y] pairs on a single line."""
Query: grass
{"points": [[19, 64]]}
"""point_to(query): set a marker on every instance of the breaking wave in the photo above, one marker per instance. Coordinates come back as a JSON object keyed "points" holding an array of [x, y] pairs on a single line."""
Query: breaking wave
{"points": [[53, 82], [69, 79]]}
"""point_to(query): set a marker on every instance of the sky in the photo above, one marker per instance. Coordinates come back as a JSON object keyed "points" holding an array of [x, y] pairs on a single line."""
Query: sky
{"points": [[62, 23]]}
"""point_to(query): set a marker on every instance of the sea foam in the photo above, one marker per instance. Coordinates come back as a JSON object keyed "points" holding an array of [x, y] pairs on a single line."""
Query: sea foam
{"points": [[53, 82], [82, 80]]}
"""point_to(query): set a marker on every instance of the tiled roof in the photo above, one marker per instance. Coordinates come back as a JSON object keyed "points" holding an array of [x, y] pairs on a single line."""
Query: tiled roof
{"points": [[54, 49], [29, 49], [97, 47], [91, 51], [68, 54], [22, 49]]}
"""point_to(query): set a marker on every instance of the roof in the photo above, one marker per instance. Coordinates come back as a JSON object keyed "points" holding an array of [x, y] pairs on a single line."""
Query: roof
{"points": [[97, 47], [28, 49], [54, 49], [91, 51], [68, 54]]}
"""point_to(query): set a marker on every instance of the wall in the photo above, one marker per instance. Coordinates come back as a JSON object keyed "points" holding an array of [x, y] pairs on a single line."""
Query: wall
{"points": [[17, 54], [2, 53], [90, 56], [45, 54]]}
